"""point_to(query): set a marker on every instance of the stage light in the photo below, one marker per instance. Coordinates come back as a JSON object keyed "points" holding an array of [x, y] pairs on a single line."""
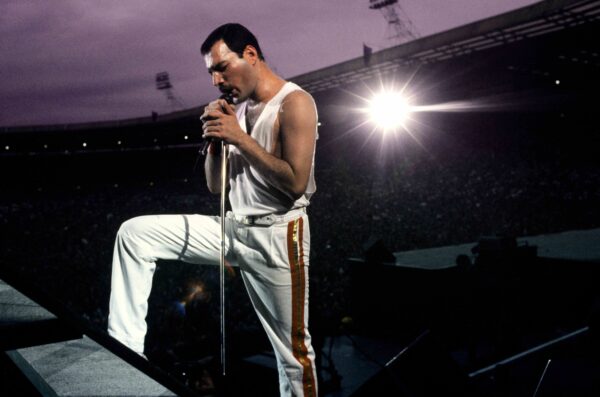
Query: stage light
{"points": [[392, 112], [389, 110]]}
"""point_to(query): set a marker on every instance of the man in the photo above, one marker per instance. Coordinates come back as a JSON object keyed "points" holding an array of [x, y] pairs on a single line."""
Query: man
{"points": [[271, 138]]}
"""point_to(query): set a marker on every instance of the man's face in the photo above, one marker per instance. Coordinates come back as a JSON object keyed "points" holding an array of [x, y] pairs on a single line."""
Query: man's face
{"points": [[229, 72]]}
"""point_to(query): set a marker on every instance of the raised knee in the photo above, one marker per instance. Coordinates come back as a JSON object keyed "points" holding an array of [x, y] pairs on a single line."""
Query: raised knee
{"points": [[133, 227], [134, 237]]}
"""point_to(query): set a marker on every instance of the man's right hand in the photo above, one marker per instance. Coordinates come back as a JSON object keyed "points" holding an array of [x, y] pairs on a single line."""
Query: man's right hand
{"points": [[220, 122]]}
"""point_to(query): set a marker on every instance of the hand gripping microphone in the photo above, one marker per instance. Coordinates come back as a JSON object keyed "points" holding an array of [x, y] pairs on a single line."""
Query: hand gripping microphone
{"points": [[229, 99]]}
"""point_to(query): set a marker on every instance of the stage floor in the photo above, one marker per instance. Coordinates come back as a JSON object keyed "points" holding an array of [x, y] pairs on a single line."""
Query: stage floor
{"points": [[79, 367]]}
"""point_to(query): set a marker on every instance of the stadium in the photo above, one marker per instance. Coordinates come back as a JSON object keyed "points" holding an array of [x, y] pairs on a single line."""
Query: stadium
{"points": [[457, 256]]}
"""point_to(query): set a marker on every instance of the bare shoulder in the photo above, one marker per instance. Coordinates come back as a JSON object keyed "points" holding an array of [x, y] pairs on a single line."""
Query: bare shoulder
{"points": [[298, 103], [298, 96]]}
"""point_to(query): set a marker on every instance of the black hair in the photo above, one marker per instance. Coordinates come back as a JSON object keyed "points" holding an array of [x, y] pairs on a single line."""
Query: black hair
{"points": [[236, 36]]}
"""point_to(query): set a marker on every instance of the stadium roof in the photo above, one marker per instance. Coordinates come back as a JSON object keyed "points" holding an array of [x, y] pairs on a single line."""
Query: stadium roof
{"points": [[534, 21]]}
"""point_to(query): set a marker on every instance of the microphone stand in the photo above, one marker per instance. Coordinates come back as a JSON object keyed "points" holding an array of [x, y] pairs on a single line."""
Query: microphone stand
{"points": [[224, 155]]}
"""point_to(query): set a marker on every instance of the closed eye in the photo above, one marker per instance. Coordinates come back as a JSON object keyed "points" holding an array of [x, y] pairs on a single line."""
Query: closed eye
{"points": [[220, 68]]}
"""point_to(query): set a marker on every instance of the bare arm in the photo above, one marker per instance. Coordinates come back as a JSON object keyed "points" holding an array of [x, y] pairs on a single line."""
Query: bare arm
{"points": [[212, 168], [297, 132], [297, 125]]}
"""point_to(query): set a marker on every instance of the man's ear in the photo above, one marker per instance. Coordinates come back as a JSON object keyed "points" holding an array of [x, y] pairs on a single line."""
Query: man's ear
{"points": [[250, 54]]}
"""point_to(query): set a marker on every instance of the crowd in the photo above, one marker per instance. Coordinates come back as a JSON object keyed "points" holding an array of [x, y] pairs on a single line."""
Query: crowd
{"points": [[63, 240]]}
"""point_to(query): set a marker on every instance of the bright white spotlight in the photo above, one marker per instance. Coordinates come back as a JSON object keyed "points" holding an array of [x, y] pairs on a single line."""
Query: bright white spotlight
{"points": [[389, 110]]}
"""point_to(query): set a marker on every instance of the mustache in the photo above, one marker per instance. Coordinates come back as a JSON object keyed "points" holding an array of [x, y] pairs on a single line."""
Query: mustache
{"points": [[225, 90]]}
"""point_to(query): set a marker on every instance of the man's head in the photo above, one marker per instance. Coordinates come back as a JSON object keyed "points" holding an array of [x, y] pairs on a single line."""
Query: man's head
{"points": [[232, 53], [236, 36]]}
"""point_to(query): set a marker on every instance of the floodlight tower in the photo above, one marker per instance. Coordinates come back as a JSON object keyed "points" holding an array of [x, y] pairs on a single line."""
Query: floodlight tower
{"points": [[163, 83], [400, 28]]}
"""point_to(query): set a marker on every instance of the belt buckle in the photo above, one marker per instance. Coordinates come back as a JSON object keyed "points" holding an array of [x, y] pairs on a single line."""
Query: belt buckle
{"points": [[268, 220], [248, 220]]}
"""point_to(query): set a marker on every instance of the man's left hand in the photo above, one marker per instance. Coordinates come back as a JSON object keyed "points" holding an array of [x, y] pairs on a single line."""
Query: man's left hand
{"points": [[221, 123]]}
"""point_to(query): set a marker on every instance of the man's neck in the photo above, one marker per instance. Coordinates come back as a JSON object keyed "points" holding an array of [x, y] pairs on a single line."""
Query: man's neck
{"points": [[267, 87]]}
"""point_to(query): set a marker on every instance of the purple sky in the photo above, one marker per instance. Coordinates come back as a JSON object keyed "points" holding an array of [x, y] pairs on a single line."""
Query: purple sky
{"points": [[85, 60]]}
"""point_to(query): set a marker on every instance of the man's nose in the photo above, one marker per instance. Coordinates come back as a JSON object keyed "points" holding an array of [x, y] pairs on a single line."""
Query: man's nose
{"points": [[217, 79]]}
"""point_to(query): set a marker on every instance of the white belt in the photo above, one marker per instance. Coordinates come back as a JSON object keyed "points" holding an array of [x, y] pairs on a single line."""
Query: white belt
{"points": [[268, 219]]}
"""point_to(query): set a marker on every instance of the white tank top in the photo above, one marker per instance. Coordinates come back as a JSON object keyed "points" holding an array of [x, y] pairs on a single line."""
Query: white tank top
{"points": [[251, 193]]}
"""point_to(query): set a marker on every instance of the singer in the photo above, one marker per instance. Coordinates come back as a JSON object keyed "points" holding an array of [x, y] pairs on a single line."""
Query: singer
{"points": [[271, 130]]}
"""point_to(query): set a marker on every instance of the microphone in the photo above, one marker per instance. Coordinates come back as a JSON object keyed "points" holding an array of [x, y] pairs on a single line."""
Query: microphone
{"points": [[229, 99]]}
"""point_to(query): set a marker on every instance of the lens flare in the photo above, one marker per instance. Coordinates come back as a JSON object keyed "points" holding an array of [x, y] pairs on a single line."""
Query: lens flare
{"points": [[389, 110]]}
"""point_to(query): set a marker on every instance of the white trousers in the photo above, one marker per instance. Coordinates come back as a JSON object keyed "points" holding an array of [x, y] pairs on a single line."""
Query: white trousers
{"points": [[273, 261]]}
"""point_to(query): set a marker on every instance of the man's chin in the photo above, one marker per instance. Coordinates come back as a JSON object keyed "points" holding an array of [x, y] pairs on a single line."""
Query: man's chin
{"points": [[237, 98]]}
